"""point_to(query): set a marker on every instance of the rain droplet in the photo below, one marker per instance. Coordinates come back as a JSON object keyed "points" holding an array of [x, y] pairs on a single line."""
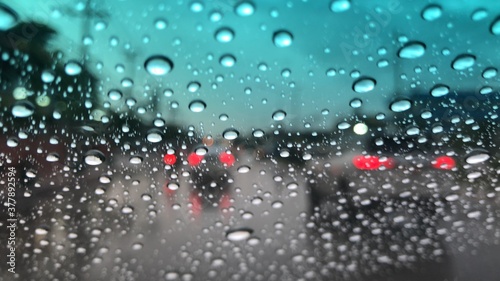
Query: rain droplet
{"points": [[135, 160], [489, 73], [197, 7], [495, 26], [282, 38], [23, 109], [115, 95], [12, 142], [41, 231], [239, 234], [230, 134], [258, 133], [477, 157], [224, 35], [400, 105], [440, 90], [173, 186], [479, 14], [432, 13], [137, 246], [360, 129], [412, 50], [201, 151], [127, 209], [48, 76], [171, 275], [364, 85], [356, 103], [154, 136], [277, 204], [343, 126], [243, 169], [292, 186], [338, 6], [158, 65], [8, 17], [94, 157], [193, 86], [160, 24], [279, 115], [227, 61], [244, 9], [463, 62], [197, 106], [52, 157], [73, 68]]}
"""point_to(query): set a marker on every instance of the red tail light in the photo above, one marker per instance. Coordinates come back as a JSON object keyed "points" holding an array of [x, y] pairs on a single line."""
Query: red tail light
{"points": [[194, 159], [226, 158], [372, 162], [169, 159], [444, 163]]}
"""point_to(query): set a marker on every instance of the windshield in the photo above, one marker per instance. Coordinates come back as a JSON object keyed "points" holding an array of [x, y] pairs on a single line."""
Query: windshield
{"points": [[249, 140]]}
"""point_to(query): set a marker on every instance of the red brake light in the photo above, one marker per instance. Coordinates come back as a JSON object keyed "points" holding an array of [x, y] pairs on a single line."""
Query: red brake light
{"points": [[226, 158], [366, 162], [194, 159], [444, 163], [372, 162], [169, 159]]}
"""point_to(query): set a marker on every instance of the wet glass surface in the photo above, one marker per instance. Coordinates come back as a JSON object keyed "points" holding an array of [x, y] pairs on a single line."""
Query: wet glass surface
{"points": [[249, 140]]}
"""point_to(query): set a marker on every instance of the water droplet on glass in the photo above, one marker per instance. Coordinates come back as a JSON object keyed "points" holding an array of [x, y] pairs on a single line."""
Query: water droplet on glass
{"points": [[432, 12], [73, 68], [244, 9], [137, 246], [12, 142], [52, 157], [23, 109], [258, 133], [440, 90], [277, 204], [197, 106], [292, 186], [196, 7], [282, 38], [227, 61], [160, 24], [364, 85], [495, 26], [158, 65], [193, 86], [343, 126], [135, 160], [8, 17], [173, 186], [48, 76], [239, 234], [243, 169], [94, 157], [338, 6], [356, 103], [171, 275], [479, 14], [127, 209], [400, 105], [41, 231], [477, 157], [230, 134], [463, 62], [224, 35], [412, 50], [279, 115], [489, 73], [115, 95], [154, 136]]}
